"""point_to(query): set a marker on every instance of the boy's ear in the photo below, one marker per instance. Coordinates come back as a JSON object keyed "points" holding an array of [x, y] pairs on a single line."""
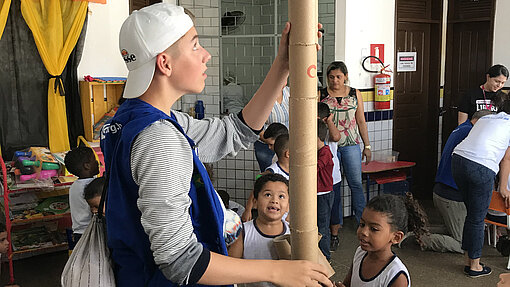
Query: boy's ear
{"points": [[397, 237], [164, 64], [86, 166], [286, 154]]}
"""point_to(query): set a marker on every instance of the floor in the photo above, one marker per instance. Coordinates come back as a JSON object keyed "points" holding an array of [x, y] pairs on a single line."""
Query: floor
{"points": [[426, 268]]}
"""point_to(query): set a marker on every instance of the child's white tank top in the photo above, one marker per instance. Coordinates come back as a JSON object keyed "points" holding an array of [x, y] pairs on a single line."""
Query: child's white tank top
{"points": [[258, 245], [384, 278], [276, 168]]}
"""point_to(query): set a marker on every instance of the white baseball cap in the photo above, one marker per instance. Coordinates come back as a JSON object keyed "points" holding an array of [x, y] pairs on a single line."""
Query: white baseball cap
{"points": [[144, 34]]}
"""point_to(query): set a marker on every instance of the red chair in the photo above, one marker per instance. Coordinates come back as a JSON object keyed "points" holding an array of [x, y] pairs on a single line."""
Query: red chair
{"points": [[497, 204]]}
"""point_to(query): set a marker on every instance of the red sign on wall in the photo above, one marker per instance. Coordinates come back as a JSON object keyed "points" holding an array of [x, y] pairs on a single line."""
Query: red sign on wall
{"points": [[378, 51]]}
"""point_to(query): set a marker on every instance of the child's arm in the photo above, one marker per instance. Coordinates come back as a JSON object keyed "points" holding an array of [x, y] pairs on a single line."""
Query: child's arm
{"points": [[347, 279], [247, 216], [504, 170], [256, 112], [362, 127], [236, 249], [223, 270], [334, 133], [401, 281], [323, 161]]}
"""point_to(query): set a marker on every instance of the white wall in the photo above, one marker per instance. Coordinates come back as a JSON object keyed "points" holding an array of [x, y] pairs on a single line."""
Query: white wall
{"points": [[101, 56], [501, 45], [339, 31], [366, 22]]}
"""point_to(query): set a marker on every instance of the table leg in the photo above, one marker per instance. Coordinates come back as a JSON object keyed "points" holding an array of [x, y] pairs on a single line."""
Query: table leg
{"points": [[368, 187]]}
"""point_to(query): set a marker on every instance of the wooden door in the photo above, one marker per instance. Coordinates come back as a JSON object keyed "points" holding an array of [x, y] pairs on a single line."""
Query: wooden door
{"points": [[139, 4], [416, 94], [468, 54]]}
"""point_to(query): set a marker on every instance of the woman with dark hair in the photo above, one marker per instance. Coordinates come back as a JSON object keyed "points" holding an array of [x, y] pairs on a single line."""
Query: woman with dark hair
{"points": [[346, 105], [475, 162], [481, 98]]}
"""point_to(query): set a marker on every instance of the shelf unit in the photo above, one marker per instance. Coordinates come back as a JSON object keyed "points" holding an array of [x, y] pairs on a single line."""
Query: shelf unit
{"points": [[96, 100], [61, 221]]}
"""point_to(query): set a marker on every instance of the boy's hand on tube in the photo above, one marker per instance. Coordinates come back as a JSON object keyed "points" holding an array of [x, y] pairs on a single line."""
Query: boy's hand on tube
{"points": [[283, 48], [301, 273], [319, 35]]}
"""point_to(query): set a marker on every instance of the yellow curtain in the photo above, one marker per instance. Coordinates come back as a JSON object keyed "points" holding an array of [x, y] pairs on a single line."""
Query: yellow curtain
{"points": [[4, 12], [56, 26]]}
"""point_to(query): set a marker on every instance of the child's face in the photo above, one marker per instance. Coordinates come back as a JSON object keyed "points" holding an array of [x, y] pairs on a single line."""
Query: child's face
{"points": [[4, 243], [94, 204], [95, 166], [91, 168], [273, 200], [374, 231], [270, 143], [189, 64]]}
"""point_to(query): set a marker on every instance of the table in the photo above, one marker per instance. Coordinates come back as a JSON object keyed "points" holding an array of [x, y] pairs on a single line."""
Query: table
{"points": [[385, 172]]}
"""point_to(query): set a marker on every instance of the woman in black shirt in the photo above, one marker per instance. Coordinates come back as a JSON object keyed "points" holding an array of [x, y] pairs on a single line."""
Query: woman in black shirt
{"points": [[481, 97]]}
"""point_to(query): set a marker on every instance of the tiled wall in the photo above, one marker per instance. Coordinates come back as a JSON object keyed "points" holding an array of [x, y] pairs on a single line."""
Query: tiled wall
{"points": [[246, 54], [207, 23]]}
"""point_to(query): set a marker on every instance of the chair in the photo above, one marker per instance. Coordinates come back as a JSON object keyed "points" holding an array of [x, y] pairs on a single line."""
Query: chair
{"points": [[497, 204]]}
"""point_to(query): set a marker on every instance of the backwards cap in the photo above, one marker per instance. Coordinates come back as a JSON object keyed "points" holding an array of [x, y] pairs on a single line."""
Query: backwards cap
{"points": [[144, 34]]}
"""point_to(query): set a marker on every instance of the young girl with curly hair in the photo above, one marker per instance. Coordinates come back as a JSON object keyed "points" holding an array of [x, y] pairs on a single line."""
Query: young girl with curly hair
{"points": [[384, 222]]}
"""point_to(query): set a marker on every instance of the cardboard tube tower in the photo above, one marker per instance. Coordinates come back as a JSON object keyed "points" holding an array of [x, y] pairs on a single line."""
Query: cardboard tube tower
{"points": [[303, 129]]}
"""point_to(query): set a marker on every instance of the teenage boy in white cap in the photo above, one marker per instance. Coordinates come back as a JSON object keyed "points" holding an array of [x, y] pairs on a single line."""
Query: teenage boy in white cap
{"points": [[164, 219]]}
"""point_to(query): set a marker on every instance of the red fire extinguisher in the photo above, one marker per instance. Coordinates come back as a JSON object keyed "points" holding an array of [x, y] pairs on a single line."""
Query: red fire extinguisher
{"points": [[382, 84]]}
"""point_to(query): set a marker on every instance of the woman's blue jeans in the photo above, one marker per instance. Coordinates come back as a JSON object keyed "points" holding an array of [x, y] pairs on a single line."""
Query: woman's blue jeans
{"points": [[350, 159], [263, 155], [475, 183]]}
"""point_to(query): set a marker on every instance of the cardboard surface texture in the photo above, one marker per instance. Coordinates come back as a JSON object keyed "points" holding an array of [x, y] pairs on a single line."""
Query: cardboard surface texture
{"points": [[303, 129], [283, 249]]}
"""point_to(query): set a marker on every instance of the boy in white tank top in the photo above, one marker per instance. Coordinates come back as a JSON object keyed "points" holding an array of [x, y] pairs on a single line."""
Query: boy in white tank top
{"points": [[281, 166], [271, 192], [281, 148]]}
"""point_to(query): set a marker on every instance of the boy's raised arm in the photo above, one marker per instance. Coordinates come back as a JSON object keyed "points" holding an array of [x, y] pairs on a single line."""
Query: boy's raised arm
{"points": [[334, 133], [256, 112], [236, 249]]}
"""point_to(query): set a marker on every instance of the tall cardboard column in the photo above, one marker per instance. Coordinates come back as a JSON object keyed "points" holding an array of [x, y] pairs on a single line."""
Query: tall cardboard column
{"points": [[303, 129]]}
